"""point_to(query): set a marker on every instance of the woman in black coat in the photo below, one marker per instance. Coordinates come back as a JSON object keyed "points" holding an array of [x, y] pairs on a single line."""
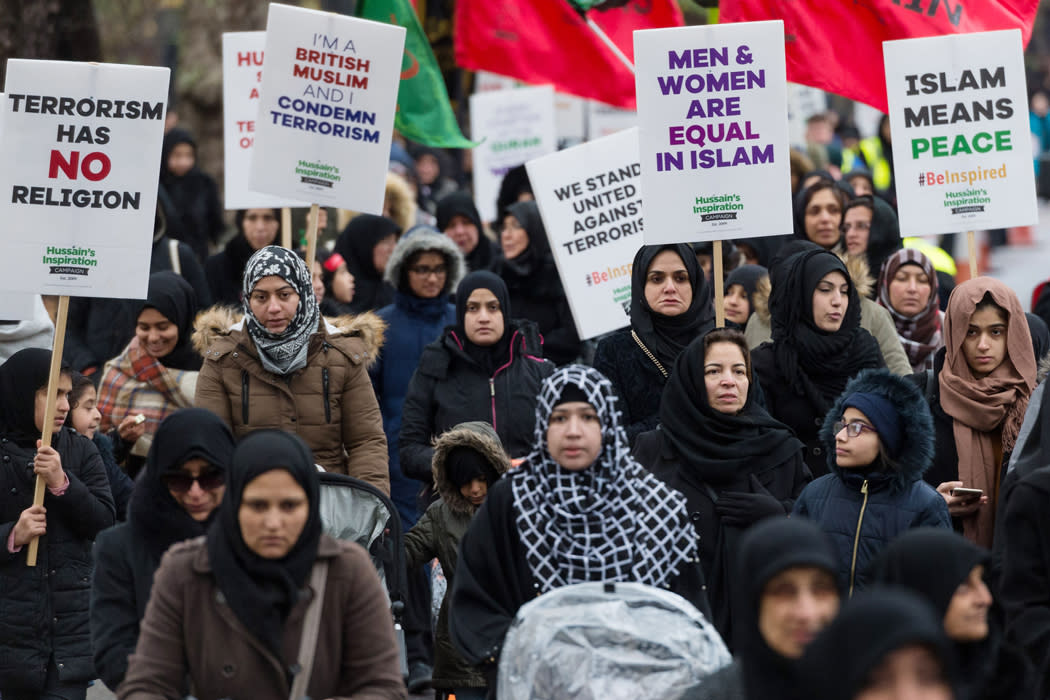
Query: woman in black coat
{"points": [[195, 214], [175, 499], [366, 245], [670, 306], [733, 462], [487, 367]]}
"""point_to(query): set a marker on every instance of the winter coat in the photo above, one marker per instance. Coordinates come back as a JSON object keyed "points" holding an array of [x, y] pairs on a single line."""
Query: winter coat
{"points": [[44, 609], [120, 484], [412, 324], [873, 318], [437, 534], [37, 332], [863, 509], [329, 403], [356, 653], [449, 388], [636, 379]]}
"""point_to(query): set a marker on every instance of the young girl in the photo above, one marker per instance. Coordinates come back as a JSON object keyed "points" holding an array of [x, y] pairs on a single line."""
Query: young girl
{"points": [[84, 417]]}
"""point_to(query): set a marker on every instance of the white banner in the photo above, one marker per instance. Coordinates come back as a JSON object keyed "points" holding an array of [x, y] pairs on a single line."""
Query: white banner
{"points": [[242, 59], [592, 209], [604, 120], [326, 108], [713, 134], [515, 127], [962, 155], [13, 305], [82, 144]]}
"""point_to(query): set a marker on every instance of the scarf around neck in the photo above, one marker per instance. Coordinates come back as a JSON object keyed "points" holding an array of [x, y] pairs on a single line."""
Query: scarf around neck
{"points": [[920, 335], [284, 352]]}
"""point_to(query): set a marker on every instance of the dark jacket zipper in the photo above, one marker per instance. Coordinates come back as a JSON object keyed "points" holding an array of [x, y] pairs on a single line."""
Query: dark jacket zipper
{"points": [[245, 381]]}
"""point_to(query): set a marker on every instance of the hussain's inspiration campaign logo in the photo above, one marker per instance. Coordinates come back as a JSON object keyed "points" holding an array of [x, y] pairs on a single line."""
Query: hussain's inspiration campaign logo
{"points": [[718, 207]]}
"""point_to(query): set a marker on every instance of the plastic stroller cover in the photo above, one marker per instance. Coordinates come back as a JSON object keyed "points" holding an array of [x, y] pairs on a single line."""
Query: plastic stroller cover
{"points": [[597, 641]]}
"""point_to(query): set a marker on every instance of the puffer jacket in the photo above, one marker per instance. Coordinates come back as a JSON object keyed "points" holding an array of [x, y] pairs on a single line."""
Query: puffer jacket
{"points": [[44, 609], [863, 510], [437, 534], [449, 388], [329, 403]]}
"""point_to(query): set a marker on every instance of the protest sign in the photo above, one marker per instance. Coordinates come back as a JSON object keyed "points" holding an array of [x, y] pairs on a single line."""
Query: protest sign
{"points": [[570, 119], [962, 152], [15, 306], [326, 108], [515, 126], [713, 133], [591, 206], [242, 62], [603, 120], [82, 144]]}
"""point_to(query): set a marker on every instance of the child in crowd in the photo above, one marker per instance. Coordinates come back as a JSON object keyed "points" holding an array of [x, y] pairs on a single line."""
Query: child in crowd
{"points": [[84, 417]]}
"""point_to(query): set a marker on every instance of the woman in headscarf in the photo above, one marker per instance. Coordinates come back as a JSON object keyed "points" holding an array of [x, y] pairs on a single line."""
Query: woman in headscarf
{"points": [[458, 218], [870, 230], [950, 572], [741, 285], [44, 647], [818, 213], [195, 215], [174, 500], [256, 228], [817, 346], [670, 307], [533, 283], [228, 612], [365, 245], [487, 367], [283, 366], [978, 392], [734, 463], [908, 290], [579, 508], [155, 375]]}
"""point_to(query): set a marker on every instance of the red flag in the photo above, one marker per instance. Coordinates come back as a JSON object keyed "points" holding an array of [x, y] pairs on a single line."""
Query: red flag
{"points": [[547, 42], [836, 45]]}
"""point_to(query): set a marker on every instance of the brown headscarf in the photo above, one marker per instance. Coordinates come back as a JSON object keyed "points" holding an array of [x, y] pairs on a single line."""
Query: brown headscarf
{"points": [[981, 407]]}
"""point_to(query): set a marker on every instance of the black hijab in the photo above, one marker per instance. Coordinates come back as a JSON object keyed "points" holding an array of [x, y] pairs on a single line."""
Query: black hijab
{"points": [[186, 434], [816, 364], [238, 250], [355, 244], [21, 376], [262, 592], [1040, 335], [489, 357], [718, 447], [841, 190], [533, 272], [175, 299], [747, 276], [884, 239], [667, 336], [462, 204]]}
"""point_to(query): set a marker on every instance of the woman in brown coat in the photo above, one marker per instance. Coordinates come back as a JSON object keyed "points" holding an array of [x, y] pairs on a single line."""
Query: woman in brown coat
{"points": [[285, 367], [227, 610]]}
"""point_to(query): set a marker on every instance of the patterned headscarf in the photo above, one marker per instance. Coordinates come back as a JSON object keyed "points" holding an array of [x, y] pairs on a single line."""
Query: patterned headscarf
{"points": [[611, 522], [920, 335], [285, 352]]}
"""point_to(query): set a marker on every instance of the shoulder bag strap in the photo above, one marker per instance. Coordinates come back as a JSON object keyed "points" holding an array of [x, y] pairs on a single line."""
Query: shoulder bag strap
{"points": [[311, 626]]}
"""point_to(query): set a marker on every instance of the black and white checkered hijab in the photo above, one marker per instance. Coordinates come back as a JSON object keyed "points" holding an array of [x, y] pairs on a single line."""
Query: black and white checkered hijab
{"points": [[285, 352], [612, 522]]}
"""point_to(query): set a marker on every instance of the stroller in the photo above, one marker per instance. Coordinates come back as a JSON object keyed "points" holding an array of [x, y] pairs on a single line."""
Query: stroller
{"points": [[355, 511]]}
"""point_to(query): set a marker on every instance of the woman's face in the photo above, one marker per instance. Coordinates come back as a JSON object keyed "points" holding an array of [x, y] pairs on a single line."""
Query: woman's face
{"points": [[514, 238], [65, 385], [483, 320], [861, 186], [427, 275], [725, 377], [667, 288], [475, 491], [795, 606], [274, 510], [823, 217], [911, 673], [86, 416], [463, 232], [737, 307], [985, 343], [317, 281], [274, 302], [157, 335], [197, 486], [856, 226], [856, 450], [381, 252], [830, 301], [574, 435], [260, 227], [967, 617], [343, 284], [910, 290], [181, 159]]}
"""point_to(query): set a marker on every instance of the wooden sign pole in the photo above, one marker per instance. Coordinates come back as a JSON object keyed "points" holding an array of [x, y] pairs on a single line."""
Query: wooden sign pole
{"points": [[716, 277], [971, 242], [311, 236], [286, 227]]}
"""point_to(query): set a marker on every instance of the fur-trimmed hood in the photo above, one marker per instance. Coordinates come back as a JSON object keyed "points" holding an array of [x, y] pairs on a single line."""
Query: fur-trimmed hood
{"points": [[417, 240], [218, 321], [478, 436], [402, 203], [859, 273], [1043, 369], [917, 432]]}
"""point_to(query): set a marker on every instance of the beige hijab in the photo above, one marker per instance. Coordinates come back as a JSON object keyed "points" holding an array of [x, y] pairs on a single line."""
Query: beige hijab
{"points": [[981, 408]]}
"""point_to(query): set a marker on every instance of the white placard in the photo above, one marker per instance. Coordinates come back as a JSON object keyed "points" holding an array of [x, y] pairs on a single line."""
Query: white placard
{"points": [[570, 119], [82, 144], [713, 134], [803, 102], [515, 127], [604, 120], [591, 204], [962, 155], [242, 59], [13, 305], [326, 109]]}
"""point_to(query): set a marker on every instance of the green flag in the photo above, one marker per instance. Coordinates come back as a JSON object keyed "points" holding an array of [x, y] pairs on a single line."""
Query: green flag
{"points": [[424, 114]]}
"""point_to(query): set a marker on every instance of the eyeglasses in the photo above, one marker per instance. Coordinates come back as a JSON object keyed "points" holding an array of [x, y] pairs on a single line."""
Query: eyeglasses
{"points": [[427, 271], [181, 483], [853, 429]]}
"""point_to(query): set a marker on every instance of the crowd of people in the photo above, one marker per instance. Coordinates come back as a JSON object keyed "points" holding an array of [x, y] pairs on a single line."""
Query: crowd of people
{"points": [[847, 479]]}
